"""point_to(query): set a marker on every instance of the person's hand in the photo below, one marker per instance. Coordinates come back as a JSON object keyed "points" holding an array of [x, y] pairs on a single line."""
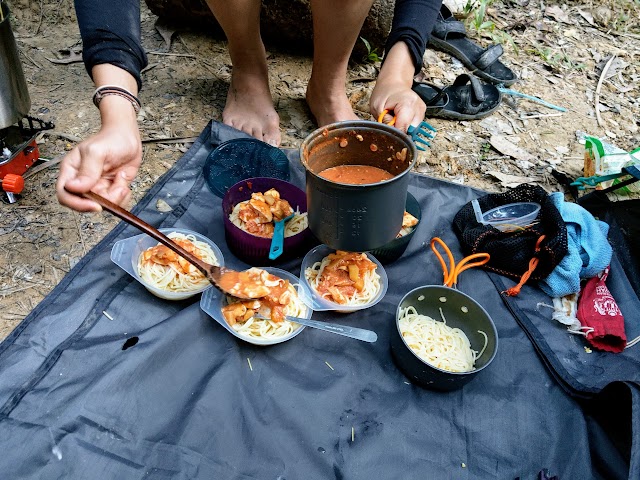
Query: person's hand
{"points": [[393, 90], [399, 99], [105, 163]]}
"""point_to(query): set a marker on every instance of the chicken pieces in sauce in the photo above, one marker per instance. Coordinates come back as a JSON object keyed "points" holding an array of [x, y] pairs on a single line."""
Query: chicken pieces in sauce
{"points": [[344, 275], [272, 305], [165, 256], [262, 210]]}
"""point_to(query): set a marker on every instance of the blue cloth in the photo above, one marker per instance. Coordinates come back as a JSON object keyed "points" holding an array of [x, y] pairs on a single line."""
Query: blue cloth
{"points": [[589, 251]]}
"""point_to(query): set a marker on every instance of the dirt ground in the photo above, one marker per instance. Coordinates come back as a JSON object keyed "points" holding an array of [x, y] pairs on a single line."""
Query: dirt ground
{"points": [[562, 50]]}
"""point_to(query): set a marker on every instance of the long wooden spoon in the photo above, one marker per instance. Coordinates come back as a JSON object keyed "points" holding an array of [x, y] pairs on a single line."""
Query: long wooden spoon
{"points": [[235, 283]]}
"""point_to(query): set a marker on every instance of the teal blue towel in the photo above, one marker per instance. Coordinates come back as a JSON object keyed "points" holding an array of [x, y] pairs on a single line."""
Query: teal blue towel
{"points": [[589, 251]]}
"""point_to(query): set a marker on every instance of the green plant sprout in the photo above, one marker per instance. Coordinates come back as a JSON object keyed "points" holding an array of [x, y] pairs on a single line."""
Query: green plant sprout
{"points": [[372, 54]]}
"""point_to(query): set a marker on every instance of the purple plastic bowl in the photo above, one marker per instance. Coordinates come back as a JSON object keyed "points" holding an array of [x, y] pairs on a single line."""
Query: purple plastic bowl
{"points": [[250, 248]]}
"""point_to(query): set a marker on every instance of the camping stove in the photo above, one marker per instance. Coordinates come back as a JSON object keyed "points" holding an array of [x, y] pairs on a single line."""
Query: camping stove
{"points": [[18, 152]]}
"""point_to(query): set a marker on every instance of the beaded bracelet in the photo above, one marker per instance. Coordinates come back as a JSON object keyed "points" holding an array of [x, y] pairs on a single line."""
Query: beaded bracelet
{"points": [[105, 90]]}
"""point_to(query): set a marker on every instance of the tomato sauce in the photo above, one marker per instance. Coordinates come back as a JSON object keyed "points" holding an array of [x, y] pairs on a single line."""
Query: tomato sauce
{"points": [[355, 174]]}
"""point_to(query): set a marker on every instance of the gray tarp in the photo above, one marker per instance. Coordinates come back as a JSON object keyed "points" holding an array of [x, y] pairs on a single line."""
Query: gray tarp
{"points": [[183, 402]]}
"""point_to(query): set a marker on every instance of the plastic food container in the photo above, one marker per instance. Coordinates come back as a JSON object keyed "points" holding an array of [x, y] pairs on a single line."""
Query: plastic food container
{"points": [[512, 216], [322, 304], [395, 248], [125, 253], [250, 248], [357, 218], [460, 311], [213, 300]]}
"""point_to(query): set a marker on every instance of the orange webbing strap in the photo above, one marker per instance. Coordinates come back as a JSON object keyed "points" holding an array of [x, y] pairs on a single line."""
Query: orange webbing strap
{"points": [[533, 263]]}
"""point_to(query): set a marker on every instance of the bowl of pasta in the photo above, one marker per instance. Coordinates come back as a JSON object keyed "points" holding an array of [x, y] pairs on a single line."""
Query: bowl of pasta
{"points": [[160, 270], [250, 209], [342, 281], [261, 321], [443, 339]]}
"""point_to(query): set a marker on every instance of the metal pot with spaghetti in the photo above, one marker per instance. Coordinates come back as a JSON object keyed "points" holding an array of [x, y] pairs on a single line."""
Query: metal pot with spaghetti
{"points": [[443, 337], [255, 208], [162, 271], [343, 281], [261, 321]]}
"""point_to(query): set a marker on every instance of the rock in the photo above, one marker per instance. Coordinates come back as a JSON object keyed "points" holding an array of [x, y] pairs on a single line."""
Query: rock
{"points": [[286, 24]]}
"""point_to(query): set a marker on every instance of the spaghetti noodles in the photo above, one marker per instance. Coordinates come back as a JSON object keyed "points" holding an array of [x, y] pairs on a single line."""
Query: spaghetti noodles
{"points": [[345, 278], [437, 343], [258, 214], [281, 301], [164, 269]]}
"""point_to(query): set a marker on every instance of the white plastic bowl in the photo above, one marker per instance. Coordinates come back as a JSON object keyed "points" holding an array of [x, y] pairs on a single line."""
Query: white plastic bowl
{"points": [[213, 300], [317, 302], [125, 253]]}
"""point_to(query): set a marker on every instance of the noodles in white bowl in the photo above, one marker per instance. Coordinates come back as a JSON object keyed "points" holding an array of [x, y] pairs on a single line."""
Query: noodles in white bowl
{"points": [[345, 278], [164, 269], [436, 343], [243, 315]]}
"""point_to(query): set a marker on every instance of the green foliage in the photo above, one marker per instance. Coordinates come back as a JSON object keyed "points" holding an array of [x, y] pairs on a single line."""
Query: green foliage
{"points": [[475, 12], [372, 54], [556, 60]]}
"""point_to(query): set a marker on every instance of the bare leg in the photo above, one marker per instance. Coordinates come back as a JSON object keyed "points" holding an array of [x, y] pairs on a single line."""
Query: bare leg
{"points": [[336, 26], [249, 104]]}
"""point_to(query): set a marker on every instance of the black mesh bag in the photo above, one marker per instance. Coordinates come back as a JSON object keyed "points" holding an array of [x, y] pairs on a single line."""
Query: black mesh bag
{"points": [[532, 252]]}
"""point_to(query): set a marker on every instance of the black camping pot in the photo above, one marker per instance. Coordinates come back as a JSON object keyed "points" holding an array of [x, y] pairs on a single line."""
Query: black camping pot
{"points": [[357, 217], [460, 311]]}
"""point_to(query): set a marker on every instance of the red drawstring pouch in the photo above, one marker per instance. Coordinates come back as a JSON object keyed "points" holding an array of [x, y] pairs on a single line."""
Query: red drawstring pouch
{"points": [[598, 310]]}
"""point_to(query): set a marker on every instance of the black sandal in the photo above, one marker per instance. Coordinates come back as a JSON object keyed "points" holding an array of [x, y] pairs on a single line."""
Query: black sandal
{"points": [[466, 99], [450, 36]]}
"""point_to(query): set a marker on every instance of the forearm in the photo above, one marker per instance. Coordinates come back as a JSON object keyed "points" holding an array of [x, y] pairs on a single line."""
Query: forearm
{"points": [[110, 33], [398, 67], [413, 21]]}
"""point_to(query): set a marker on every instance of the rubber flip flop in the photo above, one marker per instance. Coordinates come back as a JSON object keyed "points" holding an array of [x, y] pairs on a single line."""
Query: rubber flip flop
{"points": [[466, 99], [450, 36]]}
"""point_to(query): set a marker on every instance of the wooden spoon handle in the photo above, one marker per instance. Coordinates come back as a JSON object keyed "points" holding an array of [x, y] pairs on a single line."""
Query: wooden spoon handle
{"points": [[137, 222]]}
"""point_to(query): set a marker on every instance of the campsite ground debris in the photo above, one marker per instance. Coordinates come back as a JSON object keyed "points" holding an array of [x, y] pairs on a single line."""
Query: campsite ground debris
{"points": [[249, 362], [186, 86], [104, 312], [329, 365]]}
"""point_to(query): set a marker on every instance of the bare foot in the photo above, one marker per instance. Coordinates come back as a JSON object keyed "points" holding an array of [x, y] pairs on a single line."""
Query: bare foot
{"points": [[249, 105], [328, 104]]}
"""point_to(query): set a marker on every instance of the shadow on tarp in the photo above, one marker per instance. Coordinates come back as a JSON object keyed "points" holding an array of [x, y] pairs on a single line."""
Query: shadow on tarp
{"points": [[186, 400]]}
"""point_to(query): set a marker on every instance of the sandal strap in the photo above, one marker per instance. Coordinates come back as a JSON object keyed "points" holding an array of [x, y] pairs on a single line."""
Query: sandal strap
{"points": [[489, 57], [433, 101], [477, 91], [442, 29]]}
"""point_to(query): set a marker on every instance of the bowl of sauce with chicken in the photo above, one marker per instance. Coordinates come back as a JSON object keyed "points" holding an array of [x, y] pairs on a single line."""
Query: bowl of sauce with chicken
{"points": [[250, 209]]}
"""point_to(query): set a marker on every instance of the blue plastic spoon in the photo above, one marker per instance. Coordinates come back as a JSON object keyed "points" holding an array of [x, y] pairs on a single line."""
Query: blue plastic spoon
{"points": [[277, 241]]}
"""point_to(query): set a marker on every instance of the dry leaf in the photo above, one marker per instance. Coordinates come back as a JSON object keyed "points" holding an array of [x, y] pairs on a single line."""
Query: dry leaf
{"points": [[67, 55], [163, 206], [504, 146], [587, 16], [510, 181], [166, 32], [557, 14]]}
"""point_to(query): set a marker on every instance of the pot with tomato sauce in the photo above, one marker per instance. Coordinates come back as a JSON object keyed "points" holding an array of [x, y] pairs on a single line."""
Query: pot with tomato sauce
{"points": [[356, 183]]}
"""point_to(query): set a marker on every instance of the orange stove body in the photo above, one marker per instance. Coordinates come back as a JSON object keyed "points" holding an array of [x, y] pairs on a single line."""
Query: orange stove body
{"points": [[22, 160]]}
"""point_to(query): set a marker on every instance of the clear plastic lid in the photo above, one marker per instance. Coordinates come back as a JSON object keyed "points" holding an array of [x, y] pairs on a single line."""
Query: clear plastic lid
{"points": [[512, 216], [213, 300], [125, 253], [317, 302]]}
